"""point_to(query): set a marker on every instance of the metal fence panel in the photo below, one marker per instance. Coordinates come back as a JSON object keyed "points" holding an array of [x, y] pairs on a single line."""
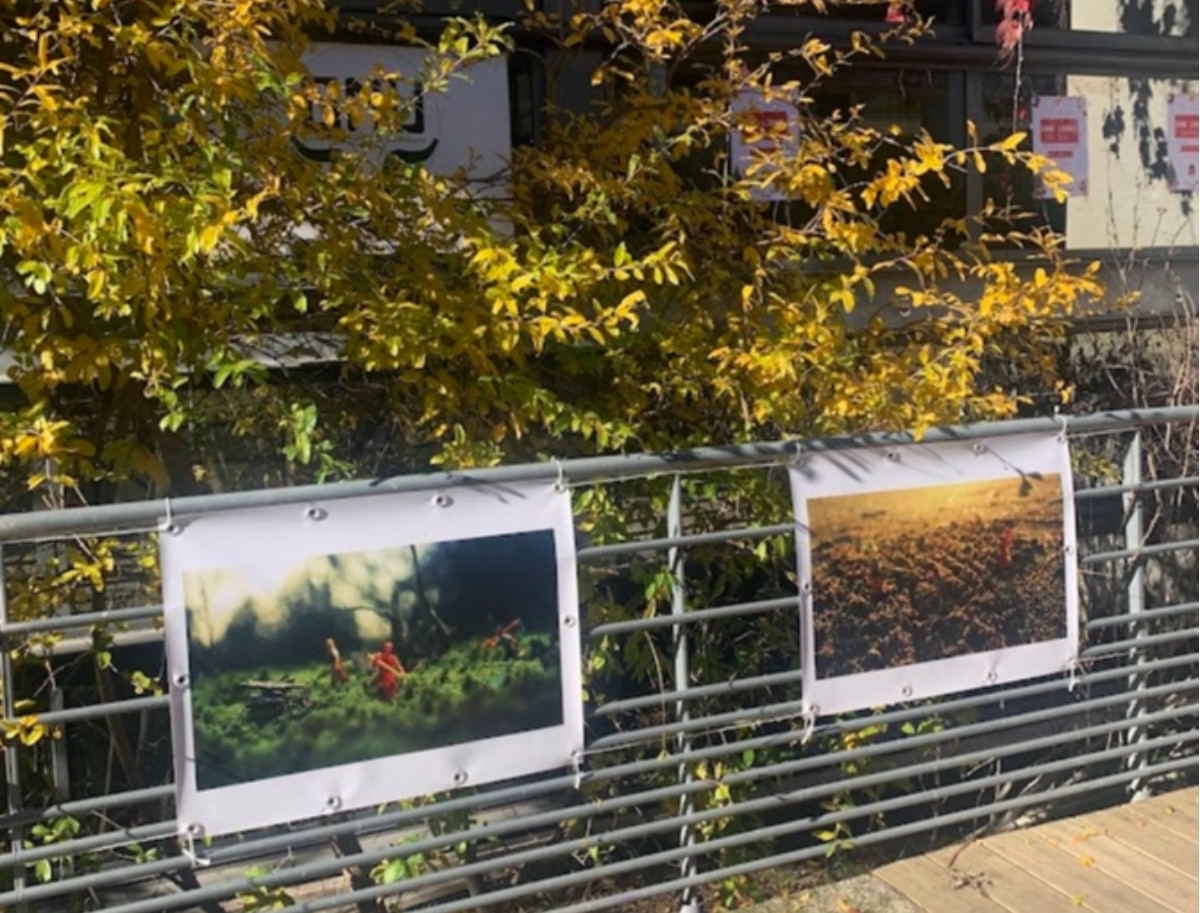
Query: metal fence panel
{"points": [[689, 779]]}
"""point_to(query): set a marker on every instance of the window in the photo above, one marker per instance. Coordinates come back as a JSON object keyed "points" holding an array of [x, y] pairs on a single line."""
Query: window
{"points": [[1130, 202], [1141, 18]]}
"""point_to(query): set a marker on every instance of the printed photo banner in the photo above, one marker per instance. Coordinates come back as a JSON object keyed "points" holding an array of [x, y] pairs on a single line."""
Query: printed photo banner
{"points": [[934, 568], [349, 653]]}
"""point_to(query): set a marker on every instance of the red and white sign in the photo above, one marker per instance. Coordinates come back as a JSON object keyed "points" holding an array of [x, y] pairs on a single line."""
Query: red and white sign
{"points": [[766, 126], [1183, 141], [1060, 133]]}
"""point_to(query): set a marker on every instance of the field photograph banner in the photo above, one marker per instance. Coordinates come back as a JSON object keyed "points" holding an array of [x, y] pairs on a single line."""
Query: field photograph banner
{"points": [[934, 568], [362, 651]]}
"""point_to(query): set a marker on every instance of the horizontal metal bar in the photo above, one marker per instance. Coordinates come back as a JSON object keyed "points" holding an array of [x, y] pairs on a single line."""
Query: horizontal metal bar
{"points": [[634, 768], [76, 807], [327, 868], [514, 825], [1138, 643], [1169, 611], [502, 796], [615, 549], [1104, 491], [91, 843], [885, 835], [812, 763], [1142, 551], [305, 873], [143, 515], [73, 646], [766, 713], [708, 847], [732, 686], [98, 711], [84, 620], [695, 616]]}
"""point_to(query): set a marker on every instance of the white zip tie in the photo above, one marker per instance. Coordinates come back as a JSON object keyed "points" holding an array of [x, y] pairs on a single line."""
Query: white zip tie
{"points": [[1060, 417], [188, 851], [1073, 669], [560, 483], [810, 725], [577, 761]]}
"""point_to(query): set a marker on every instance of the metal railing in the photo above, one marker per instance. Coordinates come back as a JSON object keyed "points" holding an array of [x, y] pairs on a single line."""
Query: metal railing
{"points": [[687, 781]]}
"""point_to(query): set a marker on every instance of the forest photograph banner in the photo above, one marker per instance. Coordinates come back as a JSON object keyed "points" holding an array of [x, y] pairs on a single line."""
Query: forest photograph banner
{"points": [[354, 652], [934, 568]]}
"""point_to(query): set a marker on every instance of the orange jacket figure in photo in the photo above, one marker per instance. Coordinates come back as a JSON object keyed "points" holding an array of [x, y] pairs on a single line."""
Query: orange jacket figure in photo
{"points": [[337, 671], [387, 666], [1006, 547]]}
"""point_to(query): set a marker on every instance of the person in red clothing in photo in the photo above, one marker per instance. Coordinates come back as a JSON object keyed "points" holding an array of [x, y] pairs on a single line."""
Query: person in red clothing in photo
{"points": [[387, 667]]}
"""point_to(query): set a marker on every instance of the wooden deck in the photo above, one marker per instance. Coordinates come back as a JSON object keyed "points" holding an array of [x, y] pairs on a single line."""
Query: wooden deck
{"points": [[1139, 858]]}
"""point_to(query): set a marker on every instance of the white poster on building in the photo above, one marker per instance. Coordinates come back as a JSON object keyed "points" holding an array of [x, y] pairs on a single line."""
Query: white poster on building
{"points": [[1183, 141], [934, 568], [763, 127], [361, 651], [465, 126], [1060, 133]]}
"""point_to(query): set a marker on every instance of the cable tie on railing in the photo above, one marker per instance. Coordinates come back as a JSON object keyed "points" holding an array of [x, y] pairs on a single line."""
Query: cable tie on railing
{"points": [[1073, 670], [577, 764], [1061, 418], [809, 717], [560, 484], [187, 849]]}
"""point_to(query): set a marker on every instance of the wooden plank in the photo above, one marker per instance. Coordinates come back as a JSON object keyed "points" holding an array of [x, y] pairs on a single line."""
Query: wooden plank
{"points": [[1007, 883], [1148, 836], [931, 887], [1096, 890], [1091, 848], [1170, 812]]}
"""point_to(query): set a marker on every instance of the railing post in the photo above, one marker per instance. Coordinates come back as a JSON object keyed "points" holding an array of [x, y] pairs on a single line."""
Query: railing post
{"points": [[1135, 595], [675, 560], [12, 760]]}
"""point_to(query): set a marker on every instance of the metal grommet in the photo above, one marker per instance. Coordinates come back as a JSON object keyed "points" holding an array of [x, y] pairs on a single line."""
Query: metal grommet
{"points": [[171, 529], [441, 499], [978, 449], [195, 830], [569, 621], [906, 690], [333, 803], [991, 676], [181, 680], [894, 456], [312, 512], [1067, 549], [460, 777], [806, 586]]}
